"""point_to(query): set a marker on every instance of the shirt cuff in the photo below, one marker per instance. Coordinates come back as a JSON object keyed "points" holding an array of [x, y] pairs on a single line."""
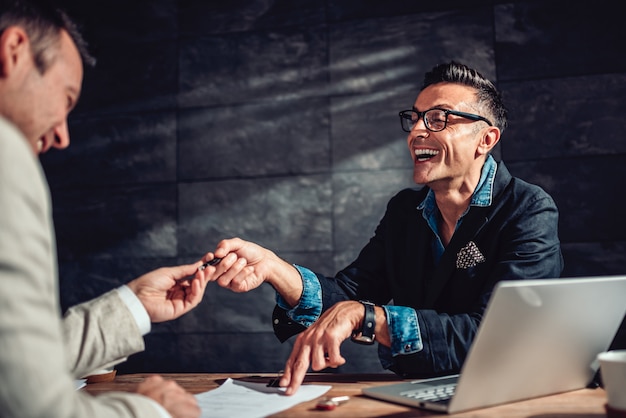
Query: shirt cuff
{"points": [[136, 308], [309, 308], [404, 330]]}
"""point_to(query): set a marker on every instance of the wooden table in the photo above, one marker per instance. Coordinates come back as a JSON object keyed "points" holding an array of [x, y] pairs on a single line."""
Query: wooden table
{"points": [[584, 403]]}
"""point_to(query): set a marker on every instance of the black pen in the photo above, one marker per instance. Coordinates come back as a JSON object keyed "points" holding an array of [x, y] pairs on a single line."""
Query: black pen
{"points": [[202, 267], [210, 263]]}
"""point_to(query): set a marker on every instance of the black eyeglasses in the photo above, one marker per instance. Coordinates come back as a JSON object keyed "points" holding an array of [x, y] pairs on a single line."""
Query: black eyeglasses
{"points": [[435, 119]]}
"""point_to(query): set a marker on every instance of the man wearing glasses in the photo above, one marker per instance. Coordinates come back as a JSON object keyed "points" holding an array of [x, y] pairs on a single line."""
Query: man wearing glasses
{"points": [[421, 285]]}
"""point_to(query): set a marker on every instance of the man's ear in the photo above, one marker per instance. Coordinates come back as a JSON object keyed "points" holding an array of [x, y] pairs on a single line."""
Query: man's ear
{"points": [[488, 140], [14, 49]]}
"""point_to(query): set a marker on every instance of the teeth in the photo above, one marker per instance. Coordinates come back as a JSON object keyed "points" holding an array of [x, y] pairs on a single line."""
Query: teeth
{"points": [[425, 154]]}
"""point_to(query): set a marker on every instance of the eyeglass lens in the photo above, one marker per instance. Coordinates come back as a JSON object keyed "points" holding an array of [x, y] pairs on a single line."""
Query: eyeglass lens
{"points": [[434, 119]]}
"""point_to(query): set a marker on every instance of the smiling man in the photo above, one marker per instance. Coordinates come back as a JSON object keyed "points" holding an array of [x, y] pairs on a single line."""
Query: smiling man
{"points": [[421, 285], [41, 353]]}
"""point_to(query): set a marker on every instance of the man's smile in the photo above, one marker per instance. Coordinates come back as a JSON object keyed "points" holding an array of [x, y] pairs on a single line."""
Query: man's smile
{"points": [[425, 154]]}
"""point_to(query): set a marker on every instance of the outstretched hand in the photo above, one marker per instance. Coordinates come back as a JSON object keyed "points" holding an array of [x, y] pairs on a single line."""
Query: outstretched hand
{"points": [[243, 265], [246, 266], [170, 292]]}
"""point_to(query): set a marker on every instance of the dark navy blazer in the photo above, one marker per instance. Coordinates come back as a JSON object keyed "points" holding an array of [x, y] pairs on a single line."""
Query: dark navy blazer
{"points": [[517, 234]]}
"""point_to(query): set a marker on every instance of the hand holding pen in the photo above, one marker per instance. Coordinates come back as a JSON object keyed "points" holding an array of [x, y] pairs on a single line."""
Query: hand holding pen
{"points": [[169, 292], [213, 262]]}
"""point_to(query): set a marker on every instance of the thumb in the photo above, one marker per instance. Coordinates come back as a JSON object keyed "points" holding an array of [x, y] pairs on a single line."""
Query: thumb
{"points": [[185, 270]]}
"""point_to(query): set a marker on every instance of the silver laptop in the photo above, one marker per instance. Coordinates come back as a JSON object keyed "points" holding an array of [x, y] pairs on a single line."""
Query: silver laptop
{"points": [[537, 338]]}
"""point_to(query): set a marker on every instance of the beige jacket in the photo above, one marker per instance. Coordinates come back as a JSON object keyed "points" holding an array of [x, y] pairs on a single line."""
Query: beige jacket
{"points": [[41, 353]]}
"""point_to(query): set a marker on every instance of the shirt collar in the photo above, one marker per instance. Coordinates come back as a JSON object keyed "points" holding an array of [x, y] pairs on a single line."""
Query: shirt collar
{"points": [[482, 196]]}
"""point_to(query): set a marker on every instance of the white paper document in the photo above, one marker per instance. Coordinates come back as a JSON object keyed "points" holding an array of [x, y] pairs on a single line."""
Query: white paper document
{"points": [[238, 399]]}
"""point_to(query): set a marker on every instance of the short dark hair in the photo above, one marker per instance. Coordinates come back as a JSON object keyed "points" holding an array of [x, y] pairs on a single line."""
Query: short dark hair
{"points": [[43, 23], [488, 95]]}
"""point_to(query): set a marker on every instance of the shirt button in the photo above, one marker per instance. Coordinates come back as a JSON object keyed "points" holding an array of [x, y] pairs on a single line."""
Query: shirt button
{"points": [[407, 347], [276, 321]]}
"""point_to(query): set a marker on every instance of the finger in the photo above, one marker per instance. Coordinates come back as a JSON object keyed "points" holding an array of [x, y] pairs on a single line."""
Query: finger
{"points": [[187, 408], [233, 270], [209, 260], [228, 246], [214, 272], [298, 374], [319, 357], [194, 294], [184, 271], [298, 369], [202, 279], [208, 257], [149, 383], [244, 281], [286, 377], [154, 379], [333, 355]]}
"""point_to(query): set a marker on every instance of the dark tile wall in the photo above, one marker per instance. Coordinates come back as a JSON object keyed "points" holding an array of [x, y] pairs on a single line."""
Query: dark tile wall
{"points": [[277, 121]]}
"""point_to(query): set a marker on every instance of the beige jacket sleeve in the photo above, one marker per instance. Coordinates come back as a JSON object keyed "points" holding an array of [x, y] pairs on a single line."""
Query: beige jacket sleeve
{"points": [[99, 334], [37, 367]]}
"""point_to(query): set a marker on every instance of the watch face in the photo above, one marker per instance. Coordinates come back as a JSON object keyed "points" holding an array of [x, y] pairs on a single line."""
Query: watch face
{"points": [[363, 339]]}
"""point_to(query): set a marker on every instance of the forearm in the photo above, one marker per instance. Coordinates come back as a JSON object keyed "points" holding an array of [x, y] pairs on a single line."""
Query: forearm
{"points": [[286, 280]]}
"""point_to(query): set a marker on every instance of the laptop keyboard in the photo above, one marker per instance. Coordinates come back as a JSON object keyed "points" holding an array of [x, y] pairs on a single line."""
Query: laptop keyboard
{"points": [[437, 393]]}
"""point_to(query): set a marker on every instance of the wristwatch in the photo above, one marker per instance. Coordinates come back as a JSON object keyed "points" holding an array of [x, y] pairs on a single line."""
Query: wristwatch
{"points": [[366, 334]]}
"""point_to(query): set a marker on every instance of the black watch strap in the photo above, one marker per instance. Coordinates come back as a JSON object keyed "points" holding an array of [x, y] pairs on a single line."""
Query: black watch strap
{"points": [[366, 334]]}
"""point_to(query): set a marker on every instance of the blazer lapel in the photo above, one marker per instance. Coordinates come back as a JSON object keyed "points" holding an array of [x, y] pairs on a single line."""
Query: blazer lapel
{"points": [[474, 221], [472, 224]]}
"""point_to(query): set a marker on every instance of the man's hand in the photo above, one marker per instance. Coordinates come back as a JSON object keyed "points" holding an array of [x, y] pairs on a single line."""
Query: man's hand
{"points": [[243, 266], [246, 266], [176, 400], [318, 346], [165, 294]]}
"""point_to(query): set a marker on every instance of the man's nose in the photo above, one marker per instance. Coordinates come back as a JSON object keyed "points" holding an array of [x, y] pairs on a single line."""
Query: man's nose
{"points": [[61, 136], [416, 124]]}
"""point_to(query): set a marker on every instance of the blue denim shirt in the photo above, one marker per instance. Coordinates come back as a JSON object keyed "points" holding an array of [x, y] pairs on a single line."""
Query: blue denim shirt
{"points": [[401, 320]]}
